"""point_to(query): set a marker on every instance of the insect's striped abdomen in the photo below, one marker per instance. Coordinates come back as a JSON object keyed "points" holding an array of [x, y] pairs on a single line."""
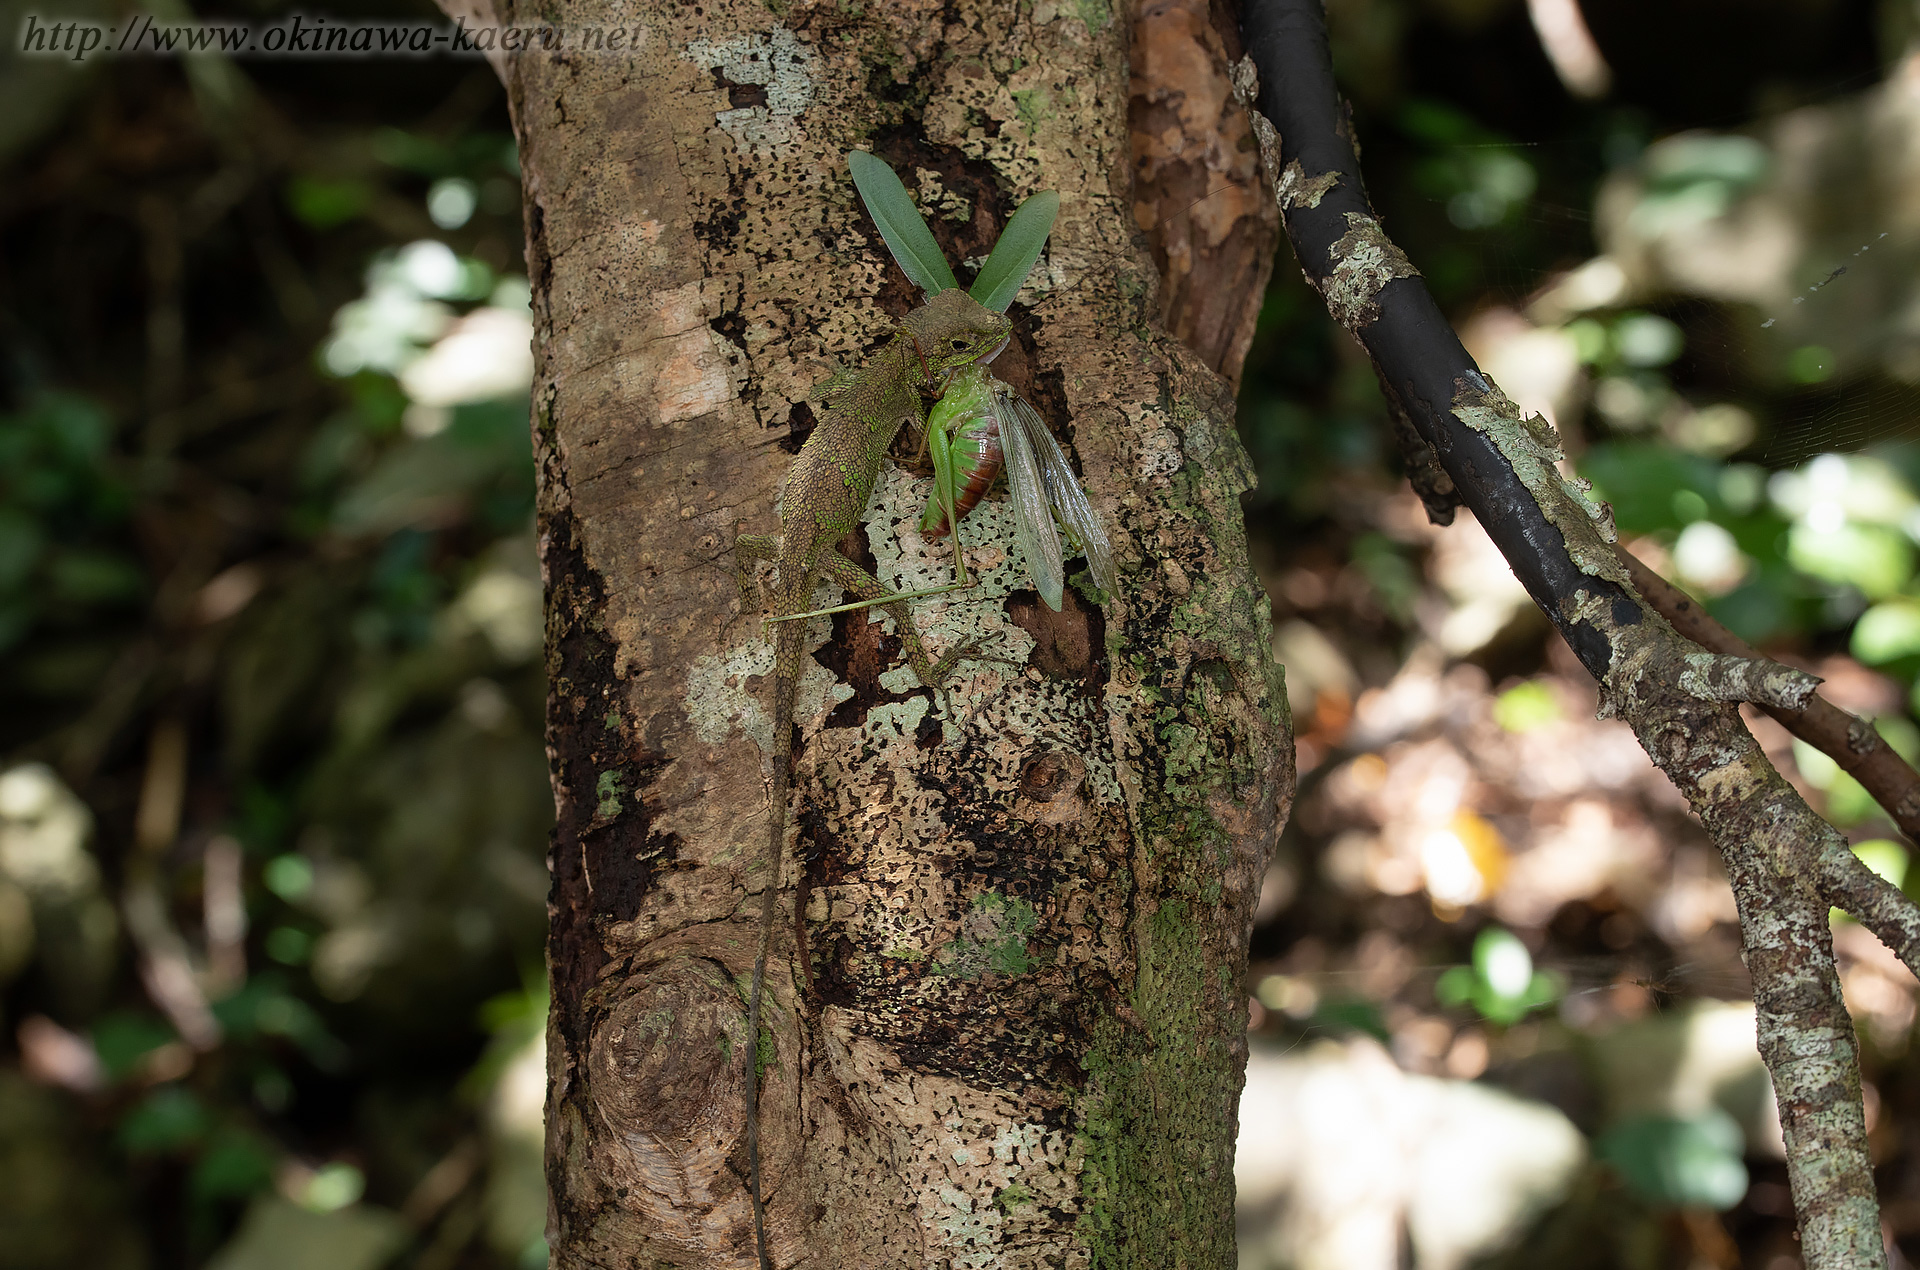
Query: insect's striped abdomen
{"points": [[977, 458]]}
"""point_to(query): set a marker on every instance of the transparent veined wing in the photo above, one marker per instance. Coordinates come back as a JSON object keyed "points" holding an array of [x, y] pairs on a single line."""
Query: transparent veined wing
{"points": [[1033, 526], [1069, 501]]}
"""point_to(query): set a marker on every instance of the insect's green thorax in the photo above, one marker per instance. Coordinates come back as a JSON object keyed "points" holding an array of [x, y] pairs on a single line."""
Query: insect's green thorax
{"points": [[969, 394]]}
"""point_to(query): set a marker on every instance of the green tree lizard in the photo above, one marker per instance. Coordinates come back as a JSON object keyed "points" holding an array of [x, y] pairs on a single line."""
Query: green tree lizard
{"points": [[825, 495]]}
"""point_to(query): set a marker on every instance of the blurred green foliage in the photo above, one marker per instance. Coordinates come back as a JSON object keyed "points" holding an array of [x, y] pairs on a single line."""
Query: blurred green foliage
{"points": [[1679, 1162], [64, 569], [1526, 706], [260, 536], [1501, 984], [1344, 1014]]}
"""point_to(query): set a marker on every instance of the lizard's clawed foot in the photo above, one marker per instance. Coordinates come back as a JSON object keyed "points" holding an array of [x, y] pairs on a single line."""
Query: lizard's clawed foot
{"points": [[748, 612]]}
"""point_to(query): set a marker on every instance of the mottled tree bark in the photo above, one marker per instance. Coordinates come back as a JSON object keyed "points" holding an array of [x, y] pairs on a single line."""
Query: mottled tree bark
{"points": [[1197, 190], [1006, 1022]]}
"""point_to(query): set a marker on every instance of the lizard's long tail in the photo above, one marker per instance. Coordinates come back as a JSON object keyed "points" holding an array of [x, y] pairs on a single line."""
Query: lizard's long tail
{"points": [[787, 645]]}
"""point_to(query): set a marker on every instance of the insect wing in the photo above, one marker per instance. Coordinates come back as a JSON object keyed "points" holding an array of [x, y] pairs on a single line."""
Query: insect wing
{"points": [[1033, 526], [1069, 500]]}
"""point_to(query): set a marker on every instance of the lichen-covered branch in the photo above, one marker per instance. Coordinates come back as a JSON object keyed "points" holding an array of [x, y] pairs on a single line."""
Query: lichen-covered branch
{"points": [[1561, 545], [1850, 741], [1748, 680], [1806, 1039]]}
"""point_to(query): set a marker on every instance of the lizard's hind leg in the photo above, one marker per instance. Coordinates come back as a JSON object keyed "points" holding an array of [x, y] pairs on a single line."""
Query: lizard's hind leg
{"points": [[748, 548], [867, 588]]}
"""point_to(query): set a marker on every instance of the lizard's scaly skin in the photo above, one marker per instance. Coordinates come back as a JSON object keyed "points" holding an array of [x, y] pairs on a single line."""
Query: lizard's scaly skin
{"points": [[826, 491]]}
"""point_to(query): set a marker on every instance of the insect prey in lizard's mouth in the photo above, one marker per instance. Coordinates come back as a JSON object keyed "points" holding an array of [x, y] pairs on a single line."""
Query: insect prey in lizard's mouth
{"points": [[947, 376]]}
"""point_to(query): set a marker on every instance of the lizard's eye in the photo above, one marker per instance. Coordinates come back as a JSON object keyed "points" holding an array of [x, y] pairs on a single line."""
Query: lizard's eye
{"points": [[958, 344]]}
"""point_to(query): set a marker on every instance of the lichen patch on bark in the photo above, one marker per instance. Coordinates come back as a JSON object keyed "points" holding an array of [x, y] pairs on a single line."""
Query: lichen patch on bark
{"points": [[1296, 189], [717, 700], [1530, 445], [960, 1149], [1362, 261], [1717, 677], [905, 561], [781, 67]]}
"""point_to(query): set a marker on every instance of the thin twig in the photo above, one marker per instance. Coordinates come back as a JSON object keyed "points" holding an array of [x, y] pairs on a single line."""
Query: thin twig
{"points": [[1841, 878], [166, 963], [1847, 739]]}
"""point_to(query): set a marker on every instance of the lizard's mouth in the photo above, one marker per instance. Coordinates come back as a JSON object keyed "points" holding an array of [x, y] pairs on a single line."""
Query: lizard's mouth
{"points": [[998, 349]]}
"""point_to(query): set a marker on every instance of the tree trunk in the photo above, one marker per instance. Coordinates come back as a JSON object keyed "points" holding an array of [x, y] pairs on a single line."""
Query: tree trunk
{"points": [[1006, 1018]]}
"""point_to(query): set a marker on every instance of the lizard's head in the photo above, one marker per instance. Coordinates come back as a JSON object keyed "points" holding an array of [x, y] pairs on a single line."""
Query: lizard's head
{"points": [[954, 330]]}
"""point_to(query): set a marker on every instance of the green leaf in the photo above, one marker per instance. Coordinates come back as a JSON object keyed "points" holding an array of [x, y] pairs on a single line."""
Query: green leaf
{"points": [[900, 223], [1816, 768], [1887, 631], [1680, 1163], [1885, 857], [1501, 984], [170, 1118], [1502, 962], [1876, 559], [236, 1163], [1848, 802], [1013, 255], [1350, 1014], [277, 1234], [323, 204], [1454, 986], [122, 1039], [1640, 480]]}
